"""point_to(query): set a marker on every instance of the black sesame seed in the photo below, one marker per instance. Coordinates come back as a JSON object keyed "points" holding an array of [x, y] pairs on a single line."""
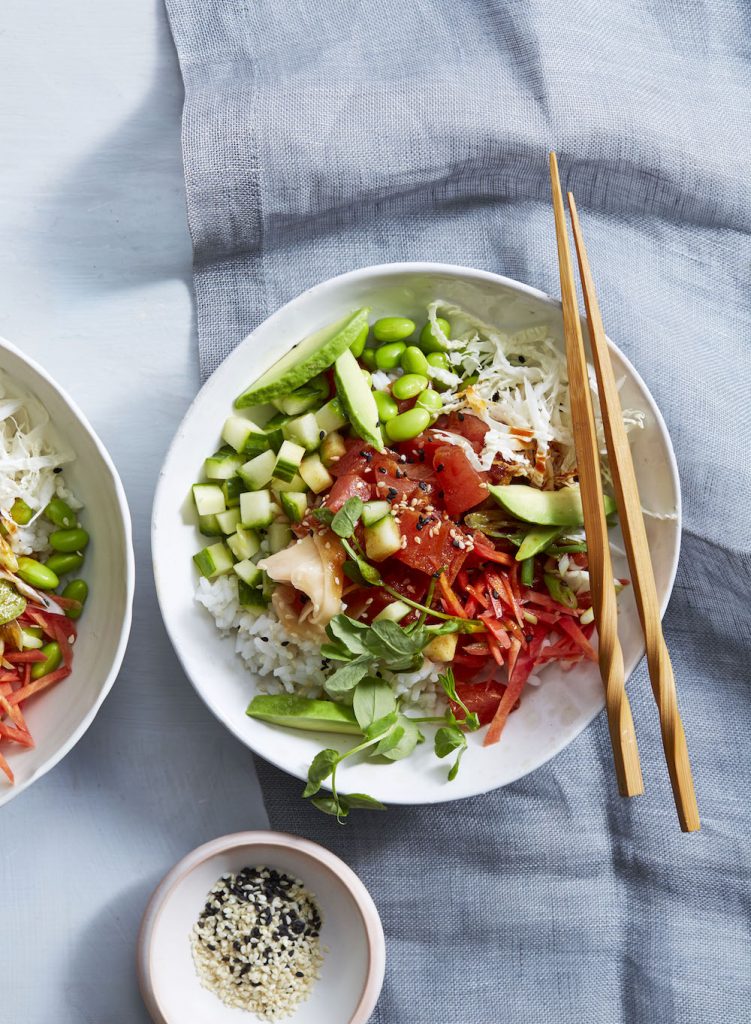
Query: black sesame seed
{"points": [[456, 544], [439, 468], [422, 485], [321, 434], [382, 469], [460, 417]]}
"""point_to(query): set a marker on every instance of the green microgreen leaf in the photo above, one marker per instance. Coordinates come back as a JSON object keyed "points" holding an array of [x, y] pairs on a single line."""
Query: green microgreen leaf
{"points": [[447, 681], [409, 738], [322, 765], [378, 729], [336, 807], [348, 676], [448, 739], [363, 800], [345, 521], [335, 652], [324, 515], [348, 633], [373, 699]]}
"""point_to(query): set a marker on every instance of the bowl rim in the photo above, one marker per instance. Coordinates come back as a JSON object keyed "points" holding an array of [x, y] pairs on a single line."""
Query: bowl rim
{"points": [[335, 866], [122, 501], [373, 272]]}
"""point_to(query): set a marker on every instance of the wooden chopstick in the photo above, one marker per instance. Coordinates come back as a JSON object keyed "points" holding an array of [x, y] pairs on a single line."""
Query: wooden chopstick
{"points": [[637, 549], [620, 721]]}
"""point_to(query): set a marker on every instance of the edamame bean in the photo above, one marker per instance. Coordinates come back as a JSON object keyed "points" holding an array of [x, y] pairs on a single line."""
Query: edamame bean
{"points": [[61, 514], [439, 360], [413, 361], [20, 512], [43, 577], [368, 358], [408, 386], [428, 340], [430, 400], [69, 540], [357, 346], [387, 356], [76, 590], [61, 564], [387, 407], [54, 657], [393, 328], [408, 424]]}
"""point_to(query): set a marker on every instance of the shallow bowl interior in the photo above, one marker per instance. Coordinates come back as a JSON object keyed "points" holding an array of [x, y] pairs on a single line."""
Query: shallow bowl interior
{"points": [[59, 717], [550, 715]]}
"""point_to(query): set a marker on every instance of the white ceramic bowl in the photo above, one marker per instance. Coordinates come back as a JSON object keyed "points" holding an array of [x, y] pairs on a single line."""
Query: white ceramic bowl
{"points": [[352, 972], [551, 715], [59, 717]]}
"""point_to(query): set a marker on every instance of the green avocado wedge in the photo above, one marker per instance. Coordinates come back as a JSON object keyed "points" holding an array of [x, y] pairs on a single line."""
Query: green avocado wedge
{"points": [[302, 713], [306, 360], [12, 604], [544, 508], [358, 401]]}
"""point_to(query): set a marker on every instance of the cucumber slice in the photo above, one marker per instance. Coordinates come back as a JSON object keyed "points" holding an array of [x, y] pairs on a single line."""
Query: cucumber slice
{"points": [[332, 448], [252, 599], [304, 430], [214, 561], [245, 436], [393, 612], [331, 416], [209, 525], [374, 511], [307, 359], [232, 489], [357, 399], [256, 509], [382, 540], [228, 521], [244, 543], [288, 460], [280, 486], [546, 508], [257, 472], [280, 536], [307, 397], [315, 474], [294, 505], [248, 572], [222, 465], [209, 499]]}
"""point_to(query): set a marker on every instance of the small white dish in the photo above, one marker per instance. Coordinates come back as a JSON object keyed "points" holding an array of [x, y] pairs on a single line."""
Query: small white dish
{"points": [[352, 973], [550, 715], [59, 717]]}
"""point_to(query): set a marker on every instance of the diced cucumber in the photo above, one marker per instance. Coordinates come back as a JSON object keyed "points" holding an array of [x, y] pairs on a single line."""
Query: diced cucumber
{"points": [[229, 520], [248, 572], [288, 460], [279, 536], [393, 612], [244, 543], [209, 499], [232, 489], [304, 430], [257, 472], [214, 560], [267, 586], [295, 484], [374, 511], [222, 465], [307, 397], [331, 416], [315, 474], [209, 525], [244, 436], [383, 539], [294, 505], [256, 509], [332, 448], [250, 598]]}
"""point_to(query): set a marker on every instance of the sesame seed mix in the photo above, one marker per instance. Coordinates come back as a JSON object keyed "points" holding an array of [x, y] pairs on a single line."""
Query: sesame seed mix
{"points": [[256, 944]]}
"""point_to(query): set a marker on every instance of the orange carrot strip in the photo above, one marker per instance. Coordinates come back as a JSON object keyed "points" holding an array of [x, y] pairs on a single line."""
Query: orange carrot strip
{"points": [[19, 735], [39, 684], [4, 766], [451, 601]]}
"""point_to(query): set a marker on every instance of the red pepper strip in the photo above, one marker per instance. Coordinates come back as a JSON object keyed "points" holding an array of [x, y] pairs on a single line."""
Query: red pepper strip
{"points": [[18, 735], [515, 584], [50, 622], [470, 660], [481, 650], [550, 617], [39, 684], [495, 601], [13, 712], [451, 602], [490, 554], [6, 679], [462, 579], [574, 631], [496, 628], [65, 602], [477, 593], [495, 650], [513, 654], [470, 607], [517, 681], [504, 588], [19, 657], [560, 652], [545, 601], [26, 674], [4, 766]]}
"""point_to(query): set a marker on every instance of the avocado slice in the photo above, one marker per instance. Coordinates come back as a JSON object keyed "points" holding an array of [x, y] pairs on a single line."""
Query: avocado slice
{"points": [[306, 360], [536, 541], [302, 713], [357, 398], [546, 508], [12, 604]]}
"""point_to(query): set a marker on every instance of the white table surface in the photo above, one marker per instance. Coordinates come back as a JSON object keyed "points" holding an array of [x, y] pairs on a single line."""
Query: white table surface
{"points": [[95, 284]]}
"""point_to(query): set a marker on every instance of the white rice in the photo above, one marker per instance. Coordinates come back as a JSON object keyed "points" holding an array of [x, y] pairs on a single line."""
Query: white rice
{"points": [[291, 664]]}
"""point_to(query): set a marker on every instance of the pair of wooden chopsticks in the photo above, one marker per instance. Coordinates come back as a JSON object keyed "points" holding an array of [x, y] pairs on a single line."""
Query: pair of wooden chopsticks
{"points": [[620, 722]]}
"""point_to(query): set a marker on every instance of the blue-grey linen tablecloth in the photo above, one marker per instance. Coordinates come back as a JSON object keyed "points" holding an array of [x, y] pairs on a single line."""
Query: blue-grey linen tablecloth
{"points": [[323, 135]]}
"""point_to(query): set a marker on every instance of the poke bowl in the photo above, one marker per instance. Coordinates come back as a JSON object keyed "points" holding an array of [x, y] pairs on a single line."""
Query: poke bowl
{"points": [[66, 573], [455, 648]]}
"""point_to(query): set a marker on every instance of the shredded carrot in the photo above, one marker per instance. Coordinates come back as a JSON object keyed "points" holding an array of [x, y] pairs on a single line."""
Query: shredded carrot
{"points": [[451, 602], [5, 767]]}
